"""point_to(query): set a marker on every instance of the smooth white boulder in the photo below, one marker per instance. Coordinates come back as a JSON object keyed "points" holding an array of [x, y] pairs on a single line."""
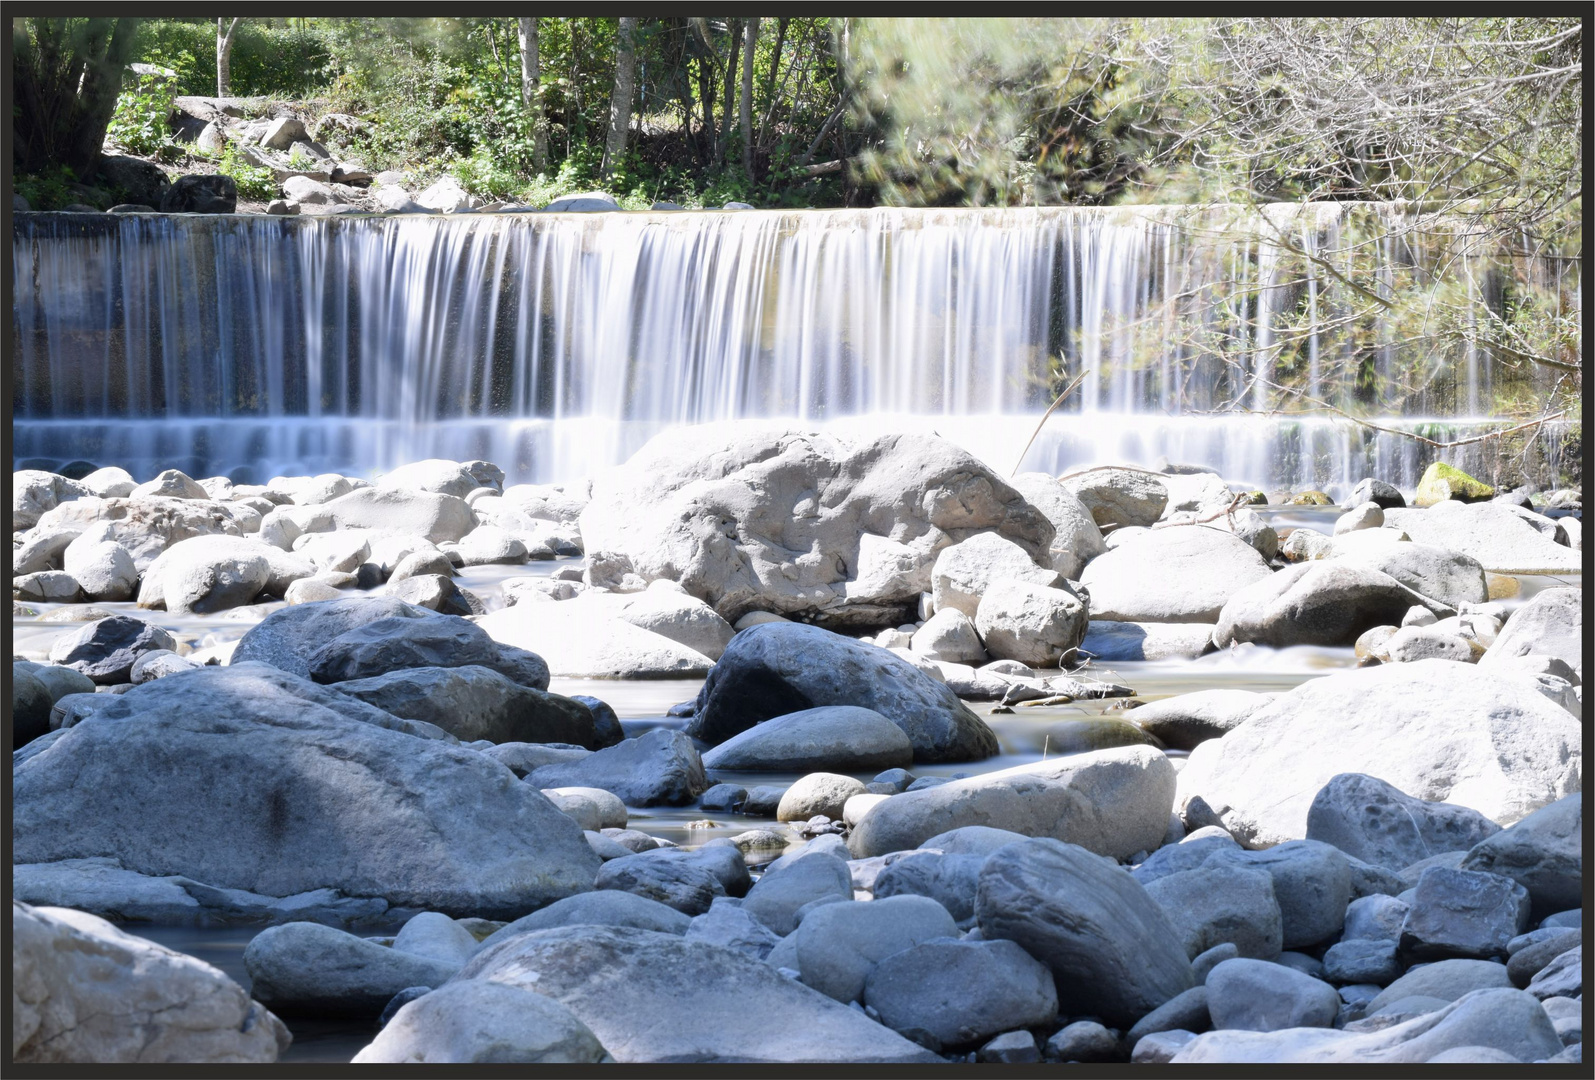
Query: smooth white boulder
{"points": [[1183, 573]]}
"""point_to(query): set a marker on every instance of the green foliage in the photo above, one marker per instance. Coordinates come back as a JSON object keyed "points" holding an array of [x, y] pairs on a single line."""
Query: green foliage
{"points": [[48, 190], [254, 183], [141, 122], [276, 57]]}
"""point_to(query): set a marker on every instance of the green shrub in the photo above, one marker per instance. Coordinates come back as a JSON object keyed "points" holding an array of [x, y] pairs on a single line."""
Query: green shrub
{"points": [[255, 183], [141, 122], [48, 190], [267, 59]]}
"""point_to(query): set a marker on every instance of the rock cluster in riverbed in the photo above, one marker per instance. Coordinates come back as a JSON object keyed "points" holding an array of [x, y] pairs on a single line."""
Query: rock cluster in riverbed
{"points": [[1383, 864]]}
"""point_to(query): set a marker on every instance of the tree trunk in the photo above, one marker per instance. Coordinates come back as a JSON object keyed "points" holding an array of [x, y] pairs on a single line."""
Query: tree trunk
{"points": [[620, 100], [749, 41], [729, 110], [224, 57], [65, 78], [532, 92], [769, 82], [706, 92]]}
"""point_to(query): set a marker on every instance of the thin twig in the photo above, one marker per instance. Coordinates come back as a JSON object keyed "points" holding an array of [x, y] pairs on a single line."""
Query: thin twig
{"points": [[1067, 390]]}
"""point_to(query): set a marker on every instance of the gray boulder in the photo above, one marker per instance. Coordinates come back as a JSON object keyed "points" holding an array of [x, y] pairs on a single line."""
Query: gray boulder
{"points": [[474, 702], [1530, 960], [1438, 731], [728, 925], [835, 737], [755, 516], [959, 992], [1119, 498], [1085, 1041], [300, 788], [1076, 539], [84, 992], [1324, 602], [478, 1021], [1447, 980], [1253, 995], [606, 907], [1112, 951], [1543, 852], [201, 193], [776, 898], [817, 794], [145, 527], [1449, 577], [1373, 821], [1550, 624], [668, 875], [1031, 623], [1378, 492], [102, 568], [1362, 962], [1183, 721], [588, 641], [105, 649], [778, 668], [429, 640], [304, 967], [1562, 977], [1181, 574], [1186, 1012], [963, 572], [657, 997], [1221, 904], [434, 516], [34, 493], [659, 767], [172, 484], [436, 936], [31, 706], [1494, 534], [1114, 802], [1374, 918], [212, 573], [839, 944], [1107, 639], [1464, 914], [947, 635], [950, 880]]}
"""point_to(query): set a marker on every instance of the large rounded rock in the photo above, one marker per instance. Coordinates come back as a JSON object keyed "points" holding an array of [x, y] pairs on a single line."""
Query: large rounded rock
{"points": [[659, 767], [473, 703], [288, 638], [1325, 602], [1185, 573], [838, 945], [1111, 949], [34, 493], [947, 878], [435, 475], [776, 898], [658, 997], [84, 992], [1543, 852], [1551, 624], [1213, 905], [172, 484], [754, 516], [30, 706], [959, 992], [949, 635], [1255, 995], [1463, 913], [1031, 623], [1436, 730], [831, 738], [436, 517], [298, 788], [1370, 820], [664, 608], [774, 669], [304, 967], [105, 649], [1076, 540], [103, 568], [476, 1021], [213, 573], [606, 907], [1494, 534], [1113, 802], [401, 641], [145, 527], [817, 794], [1119, 498], [1448, 577], [963, 572]]}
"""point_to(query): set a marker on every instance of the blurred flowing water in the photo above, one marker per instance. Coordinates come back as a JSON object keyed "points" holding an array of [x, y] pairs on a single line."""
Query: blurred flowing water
{"points": [[556, 344]]}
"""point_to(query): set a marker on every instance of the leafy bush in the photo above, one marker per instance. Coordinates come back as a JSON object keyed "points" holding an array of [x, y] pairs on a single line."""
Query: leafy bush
{"points": [[48, 190], [254, 183], [141, 122], [281, 60]]}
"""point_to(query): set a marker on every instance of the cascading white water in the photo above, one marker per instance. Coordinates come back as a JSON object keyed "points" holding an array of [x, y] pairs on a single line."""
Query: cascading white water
{"points": [[557, 344]]}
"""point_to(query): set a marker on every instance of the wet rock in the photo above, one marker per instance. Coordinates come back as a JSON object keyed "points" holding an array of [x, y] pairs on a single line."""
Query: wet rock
{"points": [[1182, 574], [1463, 913], [1370, 819], [105, 649], [83, 991], [778, 668], [1115, 802], [30, 706], [1183, 721], [305, 967], [474, 702], [1110, 947], [837, 737], [660, 767], [1434, 730], [276, 767], [658, 997]]}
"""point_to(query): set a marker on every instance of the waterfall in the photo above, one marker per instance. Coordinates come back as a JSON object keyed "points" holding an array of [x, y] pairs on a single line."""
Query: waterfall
{"points": [[555, 344]]}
